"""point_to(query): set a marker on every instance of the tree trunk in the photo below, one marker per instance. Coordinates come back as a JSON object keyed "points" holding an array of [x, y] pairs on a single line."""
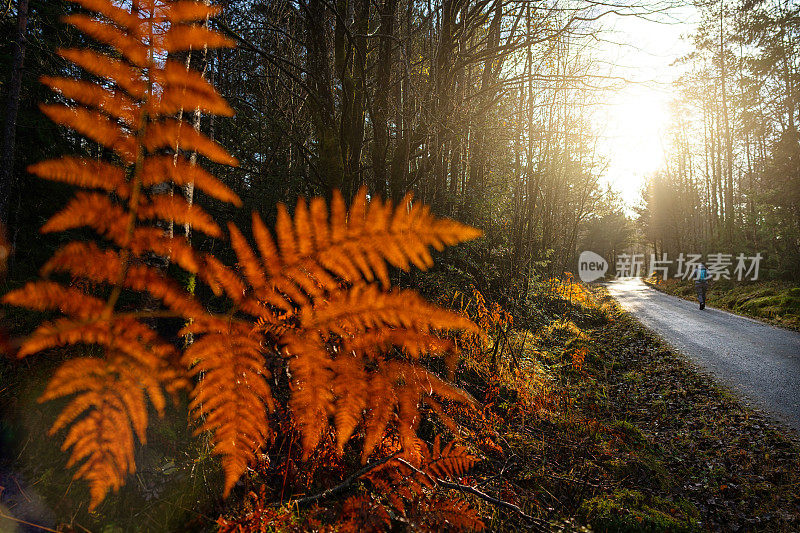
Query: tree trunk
{"points": [[380, 100], [10, 127]]}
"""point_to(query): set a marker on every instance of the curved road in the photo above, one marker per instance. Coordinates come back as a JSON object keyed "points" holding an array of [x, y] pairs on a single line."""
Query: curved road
{"points": [[757, 360]]}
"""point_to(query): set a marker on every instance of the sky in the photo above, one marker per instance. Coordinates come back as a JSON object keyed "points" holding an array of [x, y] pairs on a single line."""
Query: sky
{"points": [[633, 119]]}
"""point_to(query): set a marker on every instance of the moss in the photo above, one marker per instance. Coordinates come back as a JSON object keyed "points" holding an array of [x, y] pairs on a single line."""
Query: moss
{"points": [[632, 377], [791, 303], [630, 433], [774, 301], [630, 510]]}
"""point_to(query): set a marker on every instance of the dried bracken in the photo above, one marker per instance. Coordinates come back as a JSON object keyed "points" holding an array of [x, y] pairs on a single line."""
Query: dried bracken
{"points": [[314, 300], [340, 324], [108, 410]]}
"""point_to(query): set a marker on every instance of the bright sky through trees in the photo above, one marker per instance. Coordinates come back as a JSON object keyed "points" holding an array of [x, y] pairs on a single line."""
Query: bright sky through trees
{"points": [[631, 126]]}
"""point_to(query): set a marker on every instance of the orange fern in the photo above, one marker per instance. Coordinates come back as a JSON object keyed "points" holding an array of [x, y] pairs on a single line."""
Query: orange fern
{"points": [[314, 299], [131, 117], [309, 288], [408, 488], [112, 390], [316, 251], [233, 398]]}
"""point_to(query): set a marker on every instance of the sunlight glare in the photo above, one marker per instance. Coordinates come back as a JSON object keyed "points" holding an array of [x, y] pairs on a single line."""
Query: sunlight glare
{"points": [[642, 120], [635, 120], [633, 130]]}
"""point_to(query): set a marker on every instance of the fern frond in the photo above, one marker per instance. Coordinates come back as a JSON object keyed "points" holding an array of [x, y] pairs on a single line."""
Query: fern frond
{"points": [[248, 262], [173, 99], [287, 240], [112, 391], [109, 220], [162, 169], [170, 133], [312, 399], [123, 334], [113, 103], [83, 172], [380, 409], [452, 461], [175, 76], [351, 396], [95, 126], [266, 246], [309, 250], [184, 37], [131, 48], [87, 260], [133, 116], [233, 399], [314, 250], [364, 307], [47, 295], [178, 210], [125, 77], [94, 210]]}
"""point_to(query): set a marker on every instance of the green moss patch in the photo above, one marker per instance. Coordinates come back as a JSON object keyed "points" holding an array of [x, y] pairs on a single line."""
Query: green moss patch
{"points": [[776, 302], [634, 511]]}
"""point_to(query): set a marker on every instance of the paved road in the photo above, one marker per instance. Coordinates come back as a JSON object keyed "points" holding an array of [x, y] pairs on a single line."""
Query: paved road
{"points": [[759, 361]]}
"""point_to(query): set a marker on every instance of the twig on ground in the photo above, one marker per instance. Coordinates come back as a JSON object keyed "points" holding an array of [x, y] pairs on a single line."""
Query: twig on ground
{"points": [[333, 491], [24, 523], [482, 495], [511, 348]]}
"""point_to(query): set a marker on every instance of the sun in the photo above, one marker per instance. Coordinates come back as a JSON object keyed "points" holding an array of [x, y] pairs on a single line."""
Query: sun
{"points": [[636, 115], [642, 120], [634, 126]]}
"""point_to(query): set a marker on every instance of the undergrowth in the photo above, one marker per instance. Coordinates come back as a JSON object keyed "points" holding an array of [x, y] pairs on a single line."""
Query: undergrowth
{"points": [[584, 420]]}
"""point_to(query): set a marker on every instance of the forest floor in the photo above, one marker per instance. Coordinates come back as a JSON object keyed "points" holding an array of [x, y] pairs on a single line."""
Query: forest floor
{"points": [[776, 302], [631, 438], [586, 420]]}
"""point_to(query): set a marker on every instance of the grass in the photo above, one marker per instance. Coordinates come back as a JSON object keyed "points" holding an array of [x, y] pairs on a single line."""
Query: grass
{"points": [[776, 302]]}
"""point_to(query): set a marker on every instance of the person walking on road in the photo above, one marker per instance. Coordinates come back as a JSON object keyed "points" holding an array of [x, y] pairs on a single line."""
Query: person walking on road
{"points": [[701, 284]]}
